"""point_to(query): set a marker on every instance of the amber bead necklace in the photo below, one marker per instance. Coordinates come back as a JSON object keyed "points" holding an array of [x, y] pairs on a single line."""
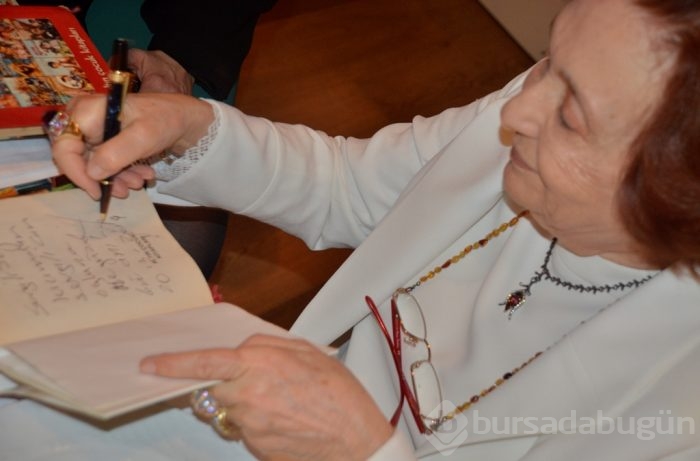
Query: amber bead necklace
{"points": [[513, 298]]}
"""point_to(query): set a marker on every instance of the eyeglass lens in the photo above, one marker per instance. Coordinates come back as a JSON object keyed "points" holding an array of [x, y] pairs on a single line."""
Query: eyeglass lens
{"points": [[426, 384]]}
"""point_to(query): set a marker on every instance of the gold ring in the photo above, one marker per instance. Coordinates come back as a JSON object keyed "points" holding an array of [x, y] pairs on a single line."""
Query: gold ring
{"points": [[59, 123], [223, 427]]}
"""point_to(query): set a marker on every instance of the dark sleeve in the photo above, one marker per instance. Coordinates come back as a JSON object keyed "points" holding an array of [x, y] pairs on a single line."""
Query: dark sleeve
{"points": [[209, 38]]}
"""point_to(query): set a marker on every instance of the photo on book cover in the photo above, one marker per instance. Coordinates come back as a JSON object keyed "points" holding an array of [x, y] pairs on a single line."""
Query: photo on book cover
{"points": [[37, 68]]}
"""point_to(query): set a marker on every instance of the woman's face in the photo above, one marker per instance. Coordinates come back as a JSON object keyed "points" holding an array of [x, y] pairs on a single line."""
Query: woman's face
{"points": [[575, 118]]}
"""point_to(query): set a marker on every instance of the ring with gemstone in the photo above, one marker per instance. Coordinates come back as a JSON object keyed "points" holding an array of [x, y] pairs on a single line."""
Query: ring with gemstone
{"points": [[59, 123], [203, 404]]}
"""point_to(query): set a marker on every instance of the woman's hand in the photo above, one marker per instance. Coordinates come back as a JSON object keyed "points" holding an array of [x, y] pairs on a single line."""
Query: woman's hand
{"points": [[159, 72], [150, 124], [286, 398]]}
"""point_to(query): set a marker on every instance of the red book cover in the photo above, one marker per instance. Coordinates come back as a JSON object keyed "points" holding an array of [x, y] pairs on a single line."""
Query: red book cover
{"points": [[46, 58]]}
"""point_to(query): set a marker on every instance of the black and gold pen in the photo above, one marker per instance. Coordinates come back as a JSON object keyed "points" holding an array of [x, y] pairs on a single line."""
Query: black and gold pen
{"points": [[119, 77]]}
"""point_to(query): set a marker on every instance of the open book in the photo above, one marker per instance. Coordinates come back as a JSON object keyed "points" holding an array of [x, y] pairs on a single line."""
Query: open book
{"points": [[82, 301]]}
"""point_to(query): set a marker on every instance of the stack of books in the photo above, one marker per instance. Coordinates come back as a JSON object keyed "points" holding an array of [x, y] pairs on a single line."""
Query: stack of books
{"points": [[46, 58]]}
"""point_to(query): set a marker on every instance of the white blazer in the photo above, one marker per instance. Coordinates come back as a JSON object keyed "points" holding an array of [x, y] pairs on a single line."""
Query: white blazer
{"points": [[405, 195]]}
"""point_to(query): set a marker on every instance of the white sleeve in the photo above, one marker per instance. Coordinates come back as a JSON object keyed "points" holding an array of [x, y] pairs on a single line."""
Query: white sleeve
{"points": [[688, 454], [397, 448], [329, 191]]}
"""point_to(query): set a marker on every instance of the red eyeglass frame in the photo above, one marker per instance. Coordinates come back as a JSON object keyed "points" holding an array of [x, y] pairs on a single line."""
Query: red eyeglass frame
{"points": [[395, 348]]}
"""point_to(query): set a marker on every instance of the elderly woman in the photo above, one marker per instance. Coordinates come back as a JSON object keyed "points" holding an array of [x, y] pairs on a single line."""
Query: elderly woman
{"points": [[524, 284]]}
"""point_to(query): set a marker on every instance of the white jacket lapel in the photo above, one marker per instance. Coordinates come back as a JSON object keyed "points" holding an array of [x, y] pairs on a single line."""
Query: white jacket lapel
{"points": [[604, 365]]}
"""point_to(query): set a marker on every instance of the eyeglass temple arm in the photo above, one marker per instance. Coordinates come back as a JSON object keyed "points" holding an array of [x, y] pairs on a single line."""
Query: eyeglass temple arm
{"points": [[373, 307], [395, 348], [406, 390]]}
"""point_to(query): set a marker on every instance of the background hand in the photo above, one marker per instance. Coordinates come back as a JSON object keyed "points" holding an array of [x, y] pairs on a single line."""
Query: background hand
{"points": [[286, 397], [159, 73]]}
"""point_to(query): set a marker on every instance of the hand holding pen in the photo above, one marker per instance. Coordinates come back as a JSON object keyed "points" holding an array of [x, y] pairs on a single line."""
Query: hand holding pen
{"points": [[150, 123]]}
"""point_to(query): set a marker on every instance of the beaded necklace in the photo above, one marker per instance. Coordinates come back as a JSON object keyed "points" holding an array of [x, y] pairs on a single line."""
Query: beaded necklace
{"points": [[468, 249], [539, 275]]}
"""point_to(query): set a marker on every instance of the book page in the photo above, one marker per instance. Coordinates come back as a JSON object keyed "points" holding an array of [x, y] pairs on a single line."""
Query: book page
{"points": [[95, 371], [62, 269]]}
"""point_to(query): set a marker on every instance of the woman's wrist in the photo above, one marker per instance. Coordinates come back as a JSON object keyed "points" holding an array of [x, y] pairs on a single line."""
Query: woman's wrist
{"points": [[172, 164], [199, 118]]}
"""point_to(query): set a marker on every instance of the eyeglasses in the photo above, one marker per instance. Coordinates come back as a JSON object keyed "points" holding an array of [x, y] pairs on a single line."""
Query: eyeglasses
{"points": [[424, 396]]}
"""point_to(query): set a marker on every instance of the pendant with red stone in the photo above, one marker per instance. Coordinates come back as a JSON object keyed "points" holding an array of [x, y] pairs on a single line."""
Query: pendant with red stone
{"points": [[513, 301]]}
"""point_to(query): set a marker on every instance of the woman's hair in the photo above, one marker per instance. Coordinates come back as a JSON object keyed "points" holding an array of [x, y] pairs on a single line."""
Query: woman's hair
{"points": [[659, 199]]}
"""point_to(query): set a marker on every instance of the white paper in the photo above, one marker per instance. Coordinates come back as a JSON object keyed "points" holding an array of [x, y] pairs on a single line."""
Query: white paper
{"points": [[98, 367], [25, 160]]}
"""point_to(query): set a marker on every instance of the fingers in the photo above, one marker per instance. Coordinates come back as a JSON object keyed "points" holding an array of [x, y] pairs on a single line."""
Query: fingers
{"points": [[135, 60], [140, 137], [69, 152], [223, 364], [204, 364], [120, 152], [131, 178], [145, 172], [159, 72], [69, 159], [73, 155], [261, 340], [225, 426], [280, 395], [89, 113]]}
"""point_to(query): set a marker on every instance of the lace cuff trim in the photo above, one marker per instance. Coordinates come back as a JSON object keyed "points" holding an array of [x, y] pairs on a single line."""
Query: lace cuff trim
{"points": [[169, 166]]}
